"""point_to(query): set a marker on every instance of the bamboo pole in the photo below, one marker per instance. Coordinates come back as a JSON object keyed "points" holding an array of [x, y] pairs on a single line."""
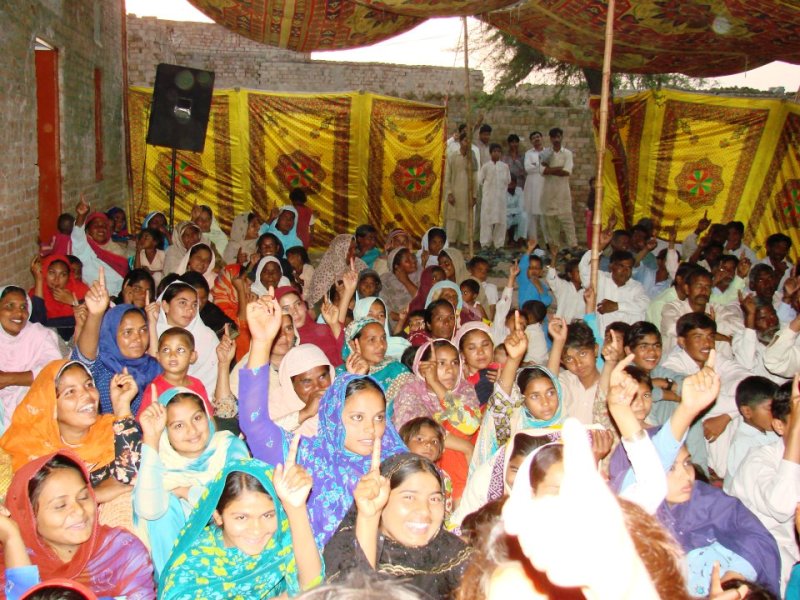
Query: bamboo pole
{"points": [[470, 177], [601, 147]]}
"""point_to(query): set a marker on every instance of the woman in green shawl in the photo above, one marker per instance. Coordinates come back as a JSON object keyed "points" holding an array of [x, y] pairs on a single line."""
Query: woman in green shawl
{"points": [[248, 537]]}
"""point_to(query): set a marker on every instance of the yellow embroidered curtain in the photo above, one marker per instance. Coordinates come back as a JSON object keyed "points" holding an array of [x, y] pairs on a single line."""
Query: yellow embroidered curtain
{"points": [[675, 155], [361, 158]]}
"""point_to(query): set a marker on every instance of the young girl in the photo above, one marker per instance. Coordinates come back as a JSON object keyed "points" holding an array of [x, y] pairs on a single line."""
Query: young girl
{"points": [[200, 259], [375, 308], [352, 423], [25, 348], [302, 269], [181, 453], [149, 255], [138, 288], [51, 530], [425, 437], [284, 226], [528, 399], [185, 235], [472, 309], [395, 529], [242, 243], [179, 307], [432, 243], [474, 342], [55, 294], [253, 527], [440, 392], [365, 341]]}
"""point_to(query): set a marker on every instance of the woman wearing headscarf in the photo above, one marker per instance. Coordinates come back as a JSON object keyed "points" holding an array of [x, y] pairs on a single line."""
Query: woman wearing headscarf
{"points": [[474, 341], [110, 561], [174, 470], [438, 391], [433, 241], [244, 235], [185, 235], [382, 536], [304, 375], [401, 282], [92, 244], [430, 277], [269, 273], [368, 339], [334, 264], [106, 444], [454, 265], [281, 561], [201, 259], [157, 220], [25, 348], [55, 293], [284, 227], [375, 308], [494, 479], [113, 341], [341, 452], [397, 238]]}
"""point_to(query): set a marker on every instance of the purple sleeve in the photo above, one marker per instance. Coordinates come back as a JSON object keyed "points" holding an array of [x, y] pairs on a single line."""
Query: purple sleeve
{"points": [[264, 437], [136, 576]]}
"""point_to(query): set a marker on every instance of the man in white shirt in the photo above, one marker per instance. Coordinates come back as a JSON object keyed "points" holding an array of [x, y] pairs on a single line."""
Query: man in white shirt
{"points": [[534, 180], [768, 479], [734, 244], [619, 298], [760, 328], [556, 203]]}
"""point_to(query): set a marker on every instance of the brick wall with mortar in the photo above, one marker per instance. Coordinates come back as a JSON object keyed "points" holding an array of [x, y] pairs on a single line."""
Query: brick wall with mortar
{"points": [[88, 36], [240, 62]]}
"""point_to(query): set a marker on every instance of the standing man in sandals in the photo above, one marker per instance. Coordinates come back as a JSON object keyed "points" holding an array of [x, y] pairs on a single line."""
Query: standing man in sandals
{"points": [[556, 196]]}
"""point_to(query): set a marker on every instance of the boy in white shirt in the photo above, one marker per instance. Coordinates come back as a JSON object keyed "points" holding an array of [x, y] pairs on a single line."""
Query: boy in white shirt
{"points": [[768, 479], [493, 178]]}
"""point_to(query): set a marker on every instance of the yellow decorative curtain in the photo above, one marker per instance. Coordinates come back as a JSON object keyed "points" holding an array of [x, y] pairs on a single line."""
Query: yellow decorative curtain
{"points": [[361, 158], [675, 155]]}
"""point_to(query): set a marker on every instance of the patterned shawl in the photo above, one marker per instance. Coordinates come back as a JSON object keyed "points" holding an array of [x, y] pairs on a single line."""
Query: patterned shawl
{"points": [[333, 265], [202, 567]]}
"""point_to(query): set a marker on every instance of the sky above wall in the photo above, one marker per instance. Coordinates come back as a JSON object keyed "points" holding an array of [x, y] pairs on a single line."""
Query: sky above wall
{"points": [[439, 42]]}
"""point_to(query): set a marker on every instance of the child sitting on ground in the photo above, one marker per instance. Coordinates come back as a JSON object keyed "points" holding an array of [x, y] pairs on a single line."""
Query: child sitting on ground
{"points": [[471, 310], [535, 314], [575, 347], [149, 255], [301, 265]]}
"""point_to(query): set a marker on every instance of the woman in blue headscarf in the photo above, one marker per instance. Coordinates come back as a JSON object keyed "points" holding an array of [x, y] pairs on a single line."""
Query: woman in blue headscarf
{"points": [[352, 419], [181, 453], [284, 227], [119, 343], [249, 537]]}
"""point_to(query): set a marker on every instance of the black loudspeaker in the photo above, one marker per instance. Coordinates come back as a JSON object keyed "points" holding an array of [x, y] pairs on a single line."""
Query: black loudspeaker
{"points": [[180, 107]]}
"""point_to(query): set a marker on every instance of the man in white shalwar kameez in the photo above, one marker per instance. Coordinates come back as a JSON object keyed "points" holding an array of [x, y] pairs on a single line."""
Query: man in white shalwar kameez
{"points": [[457, 204], [557, 164], [533, 187], [494, 178]]}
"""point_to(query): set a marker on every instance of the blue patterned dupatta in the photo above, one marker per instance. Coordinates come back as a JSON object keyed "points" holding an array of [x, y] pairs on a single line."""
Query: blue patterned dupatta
{"points": [[202, 567]]}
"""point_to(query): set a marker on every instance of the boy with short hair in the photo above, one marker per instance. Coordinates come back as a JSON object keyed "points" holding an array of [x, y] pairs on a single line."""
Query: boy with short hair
{"points": [[575, 347], [493, 178], [176, 354], [768, 479], [754, 397], [479, 269]]}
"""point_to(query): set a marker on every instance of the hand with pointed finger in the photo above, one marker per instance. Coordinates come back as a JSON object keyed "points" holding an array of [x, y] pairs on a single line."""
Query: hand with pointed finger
{"points": [[292, 482], [356, 364], [82, 208], [123, 391], [264, 317], [614, 352], [97, 298], [622, 388], [372, 491], [226, 349], [513, 271], [153, 420], [151, 309], [36, 268]]}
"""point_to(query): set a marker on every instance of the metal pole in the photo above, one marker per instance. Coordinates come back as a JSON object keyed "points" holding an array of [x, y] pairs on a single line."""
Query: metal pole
{"points": [[601, 146], [172, 189], [468, 102]]}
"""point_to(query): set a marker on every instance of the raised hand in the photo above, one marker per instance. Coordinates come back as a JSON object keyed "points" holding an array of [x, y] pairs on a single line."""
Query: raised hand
{"points": [[613, 352], [748, 304], [82, 208], [350, 278], [557, 328], [264, 317], [532, 243], [513, 271], [123, 390], [703, 223], [330, 312], [651, 244], [8, 527], [226, 349], [97, 298], [517, 342], [701, 389], [292, 482], [429, 370], [372, 491], [153, 420], [196, 212], [602, 441], [622, 387], [36, 268], [151, 308], [743, 268], [356, 364]]}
